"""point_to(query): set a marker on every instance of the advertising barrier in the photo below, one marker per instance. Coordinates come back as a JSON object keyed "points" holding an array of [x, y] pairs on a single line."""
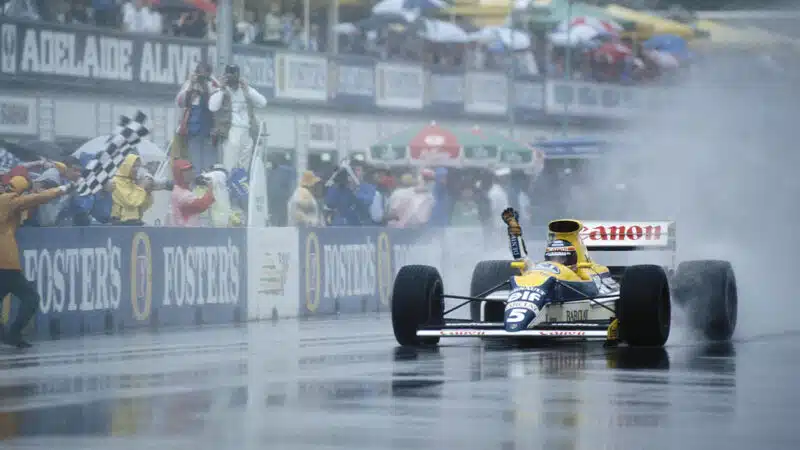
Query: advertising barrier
{"points": [[74, 57], [351, 270], [112, 279]]}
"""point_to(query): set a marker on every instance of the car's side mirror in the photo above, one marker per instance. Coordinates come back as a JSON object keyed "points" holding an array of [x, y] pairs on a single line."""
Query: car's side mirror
{"points": [[519, 265]]}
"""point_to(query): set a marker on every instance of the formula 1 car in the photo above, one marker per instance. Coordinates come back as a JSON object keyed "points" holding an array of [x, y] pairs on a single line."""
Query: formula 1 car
{"points": [[568, 295]]}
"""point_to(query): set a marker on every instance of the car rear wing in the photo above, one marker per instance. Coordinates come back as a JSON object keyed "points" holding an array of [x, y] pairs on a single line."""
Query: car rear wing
{"points": [[628, 236]]}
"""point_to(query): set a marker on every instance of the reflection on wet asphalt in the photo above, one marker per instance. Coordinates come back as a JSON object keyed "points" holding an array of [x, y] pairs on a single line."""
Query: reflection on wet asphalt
{"points": [[343, 384]]}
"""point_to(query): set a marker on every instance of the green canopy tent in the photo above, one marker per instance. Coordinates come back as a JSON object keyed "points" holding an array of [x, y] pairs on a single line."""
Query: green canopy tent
{"points": [[435, 145]]}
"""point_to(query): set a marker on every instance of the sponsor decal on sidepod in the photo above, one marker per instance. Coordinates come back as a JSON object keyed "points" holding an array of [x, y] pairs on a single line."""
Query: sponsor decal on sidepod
{"points": [[563, 333], [463, 333]]}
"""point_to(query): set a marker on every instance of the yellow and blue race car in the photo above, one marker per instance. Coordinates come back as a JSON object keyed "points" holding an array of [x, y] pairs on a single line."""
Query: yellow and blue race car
{"points": [[568, 294]]}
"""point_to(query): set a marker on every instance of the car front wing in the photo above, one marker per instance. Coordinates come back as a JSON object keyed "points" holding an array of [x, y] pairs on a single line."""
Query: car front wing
{"points": [[578, 330]]}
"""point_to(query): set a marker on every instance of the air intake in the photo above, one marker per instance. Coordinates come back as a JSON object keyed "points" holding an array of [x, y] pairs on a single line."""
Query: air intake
{"points": [[564, 226]]}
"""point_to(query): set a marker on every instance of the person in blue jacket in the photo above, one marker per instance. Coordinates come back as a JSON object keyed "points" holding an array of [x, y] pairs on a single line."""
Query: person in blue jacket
{"points": [[349, 200], [91, 209], [442, 200]]}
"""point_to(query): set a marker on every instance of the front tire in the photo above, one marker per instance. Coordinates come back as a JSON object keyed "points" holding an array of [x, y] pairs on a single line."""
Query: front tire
{"points": [[417, 301], [710, 294], [643, 308], [486, 275]]}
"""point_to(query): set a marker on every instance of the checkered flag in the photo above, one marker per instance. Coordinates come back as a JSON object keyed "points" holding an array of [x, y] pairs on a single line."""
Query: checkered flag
{"points": [[119, 145]]}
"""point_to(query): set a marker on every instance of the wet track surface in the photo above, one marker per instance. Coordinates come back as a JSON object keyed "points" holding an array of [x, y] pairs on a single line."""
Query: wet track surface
{"points": [[343, 384]]}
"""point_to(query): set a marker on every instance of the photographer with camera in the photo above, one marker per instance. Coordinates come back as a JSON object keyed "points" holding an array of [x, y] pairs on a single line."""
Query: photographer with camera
{"points": [[186, 206], [351, 200], [235, 124], [193, 139]]}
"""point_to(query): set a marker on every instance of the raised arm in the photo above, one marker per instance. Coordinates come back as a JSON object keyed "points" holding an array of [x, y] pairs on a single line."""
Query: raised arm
{"points": [[515, 240], [28, 201]]}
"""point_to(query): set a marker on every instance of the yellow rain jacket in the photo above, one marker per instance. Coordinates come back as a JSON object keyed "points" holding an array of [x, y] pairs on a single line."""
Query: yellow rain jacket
{"points": [[12, 206], [130, 200]]}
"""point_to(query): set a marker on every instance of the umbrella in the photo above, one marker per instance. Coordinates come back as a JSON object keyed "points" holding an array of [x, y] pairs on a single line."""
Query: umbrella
{"points": [[435, 145], [203, 5], [424, 5], [149, 151], [612, 52], [576, 36], [383, 21], [441, 31], [395, 8], [556, 11], [664, 60], [602, 25], [669, 43], [517, 40], [34, 149]]}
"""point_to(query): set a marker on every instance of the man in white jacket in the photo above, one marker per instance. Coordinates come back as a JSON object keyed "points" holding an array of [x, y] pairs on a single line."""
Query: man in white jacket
{"points": [[235, 124]]}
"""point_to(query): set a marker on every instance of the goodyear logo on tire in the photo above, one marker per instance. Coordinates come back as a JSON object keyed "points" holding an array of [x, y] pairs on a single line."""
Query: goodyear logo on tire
{"points": [[141, 277], [384, 262], [313, 270]]}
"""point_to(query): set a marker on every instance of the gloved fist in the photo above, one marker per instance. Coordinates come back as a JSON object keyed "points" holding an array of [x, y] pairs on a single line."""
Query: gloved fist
{"points": [[511, 218]]}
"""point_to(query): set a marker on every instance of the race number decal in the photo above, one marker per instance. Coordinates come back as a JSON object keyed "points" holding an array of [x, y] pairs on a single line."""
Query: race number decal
{"points": [[516, 315], [517, 310]]}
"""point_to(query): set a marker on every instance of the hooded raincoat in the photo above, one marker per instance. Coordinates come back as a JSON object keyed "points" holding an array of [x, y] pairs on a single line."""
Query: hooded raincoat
{"points": [[303, 207], [130, 200]]}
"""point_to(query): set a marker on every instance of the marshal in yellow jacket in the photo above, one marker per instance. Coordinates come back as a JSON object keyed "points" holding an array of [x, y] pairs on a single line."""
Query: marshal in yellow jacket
{"points": [[130, 200]]}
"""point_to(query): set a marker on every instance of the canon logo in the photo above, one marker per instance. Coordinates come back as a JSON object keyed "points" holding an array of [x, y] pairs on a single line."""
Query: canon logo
{"points": [[622, 233]]}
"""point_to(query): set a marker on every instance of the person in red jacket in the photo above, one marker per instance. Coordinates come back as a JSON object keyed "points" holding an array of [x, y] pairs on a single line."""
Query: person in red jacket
{"points": [[186, 206]]}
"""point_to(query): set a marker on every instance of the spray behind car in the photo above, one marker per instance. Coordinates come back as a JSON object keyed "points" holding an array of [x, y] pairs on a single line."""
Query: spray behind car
{"points": [[720, 156]]}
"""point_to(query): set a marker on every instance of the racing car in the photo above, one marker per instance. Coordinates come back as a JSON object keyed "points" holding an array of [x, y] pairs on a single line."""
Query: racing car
{"points": [[570, 296]]}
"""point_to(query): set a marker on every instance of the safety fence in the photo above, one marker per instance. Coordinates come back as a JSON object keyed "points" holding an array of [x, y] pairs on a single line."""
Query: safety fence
{"points": [[113, 279]]}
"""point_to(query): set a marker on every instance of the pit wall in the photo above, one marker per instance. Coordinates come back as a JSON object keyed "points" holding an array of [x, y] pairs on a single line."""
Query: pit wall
{"points": [[116, 279]]}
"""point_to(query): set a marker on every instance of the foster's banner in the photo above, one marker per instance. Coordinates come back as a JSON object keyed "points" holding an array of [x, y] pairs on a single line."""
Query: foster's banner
{"points": [[352, 269], [344, 270], [106, 279]]}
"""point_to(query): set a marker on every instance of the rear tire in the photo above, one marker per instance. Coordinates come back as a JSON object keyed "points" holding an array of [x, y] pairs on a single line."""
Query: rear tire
{"points": [[416, 301], [709, 292], [643, 307], [486, 275]]}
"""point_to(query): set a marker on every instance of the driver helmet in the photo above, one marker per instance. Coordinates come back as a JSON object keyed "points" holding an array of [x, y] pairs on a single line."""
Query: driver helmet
{"points": [[561, 252]]}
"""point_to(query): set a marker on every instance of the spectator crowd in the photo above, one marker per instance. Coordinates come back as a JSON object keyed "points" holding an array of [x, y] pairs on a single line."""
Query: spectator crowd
{"points": [[355, 193], [608, 58]]}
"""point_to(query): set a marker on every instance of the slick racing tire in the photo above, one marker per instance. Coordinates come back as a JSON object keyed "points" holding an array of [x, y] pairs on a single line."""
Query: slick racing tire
{"points": [[488, 274], [416, 301], [708, 291], [643, 308]]}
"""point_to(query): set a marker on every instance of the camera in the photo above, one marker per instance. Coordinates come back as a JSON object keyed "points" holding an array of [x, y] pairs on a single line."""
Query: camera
{"points": [[341, 178], [201, 180]]}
